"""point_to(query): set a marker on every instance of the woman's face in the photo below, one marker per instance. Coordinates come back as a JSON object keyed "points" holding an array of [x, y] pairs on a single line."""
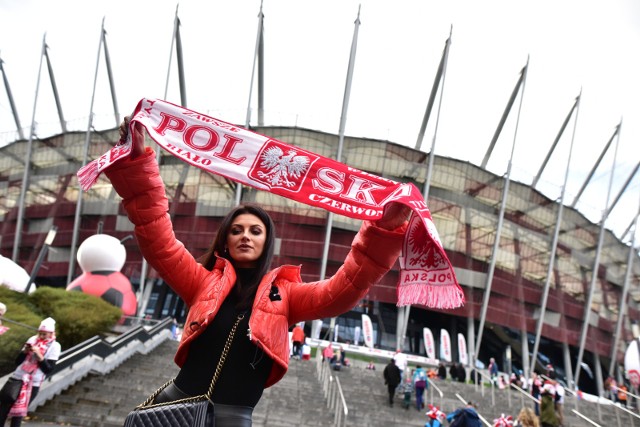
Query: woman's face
{"points": [[245, 241]]}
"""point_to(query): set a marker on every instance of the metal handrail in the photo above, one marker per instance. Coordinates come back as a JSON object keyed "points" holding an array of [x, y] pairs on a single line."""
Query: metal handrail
{"points": [[493, 397], [587, 419], [432, 387], [621, 408], [523, 394], [6, 319], [332, 391], [337, 420]]}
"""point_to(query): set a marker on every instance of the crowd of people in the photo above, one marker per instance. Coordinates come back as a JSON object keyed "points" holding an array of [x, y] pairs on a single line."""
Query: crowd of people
{"points": [[411, 384]]}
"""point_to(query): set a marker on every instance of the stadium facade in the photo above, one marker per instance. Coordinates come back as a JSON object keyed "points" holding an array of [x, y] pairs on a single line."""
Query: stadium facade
{"points": [[465, 201]]}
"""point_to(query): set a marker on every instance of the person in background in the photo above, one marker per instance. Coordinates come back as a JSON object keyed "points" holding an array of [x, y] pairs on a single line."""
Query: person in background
{"points": [[306, 351], [407, 391], [392, 378], [453, 371], [420, 383], [297, 337], [435, 417], [551, 372], [461, 373], [493, 370], [432, 373], [559, 402], [548, 417], [528, 418], [3, 310], [337, 360], [466, 416], [232, 286], [401, 362], [536, 386], [371, 366], [442, 371], [327, 353], [622, 394], [36, 361], [611, 388]]}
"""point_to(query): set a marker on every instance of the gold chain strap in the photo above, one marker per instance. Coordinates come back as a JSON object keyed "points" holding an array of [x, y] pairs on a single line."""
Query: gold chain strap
{"points": [[225, 351]]}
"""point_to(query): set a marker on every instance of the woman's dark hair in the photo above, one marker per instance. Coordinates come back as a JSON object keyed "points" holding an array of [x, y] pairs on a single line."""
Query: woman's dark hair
{"points": [[208, 260]]}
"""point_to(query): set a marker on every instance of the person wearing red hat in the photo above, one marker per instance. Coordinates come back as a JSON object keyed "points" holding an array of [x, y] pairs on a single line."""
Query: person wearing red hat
{"points": [[36, 360]]}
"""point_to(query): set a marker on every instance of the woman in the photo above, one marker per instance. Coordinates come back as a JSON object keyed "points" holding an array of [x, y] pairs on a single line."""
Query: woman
{"points": [[548, 416], [36, 360], [527, 418], [234, 278]]}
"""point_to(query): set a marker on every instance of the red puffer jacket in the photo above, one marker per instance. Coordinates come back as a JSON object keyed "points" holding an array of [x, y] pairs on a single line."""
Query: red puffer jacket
{"points": [[373, 252]]}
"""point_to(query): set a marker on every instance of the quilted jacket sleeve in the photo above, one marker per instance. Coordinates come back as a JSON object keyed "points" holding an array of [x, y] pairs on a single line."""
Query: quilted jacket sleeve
{"points": [[139, 184], [374, 250]]}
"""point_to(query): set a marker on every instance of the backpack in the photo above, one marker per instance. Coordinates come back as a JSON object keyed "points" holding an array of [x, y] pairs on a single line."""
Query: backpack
{"points": [[421, 380]]}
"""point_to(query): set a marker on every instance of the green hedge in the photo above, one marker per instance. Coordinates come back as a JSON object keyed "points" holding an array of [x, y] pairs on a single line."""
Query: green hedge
{"points": [[78, 317]]}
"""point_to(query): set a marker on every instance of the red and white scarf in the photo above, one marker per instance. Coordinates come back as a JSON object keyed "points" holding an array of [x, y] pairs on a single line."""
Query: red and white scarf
{"points": [[30, 364], [426, 276]]}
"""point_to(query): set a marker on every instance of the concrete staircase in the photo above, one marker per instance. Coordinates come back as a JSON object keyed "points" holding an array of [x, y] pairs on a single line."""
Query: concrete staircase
{"points": [[297, 400]]}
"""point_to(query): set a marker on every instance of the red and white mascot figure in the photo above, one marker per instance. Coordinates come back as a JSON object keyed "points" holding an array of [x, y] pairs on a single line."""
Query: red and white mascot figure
{"points": [[101, 257]]}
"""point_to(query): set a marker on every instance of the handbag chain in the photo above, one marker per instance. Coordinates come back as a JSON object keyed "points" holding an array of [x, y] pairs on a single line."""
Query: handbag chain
{"points": [[225, 351]]}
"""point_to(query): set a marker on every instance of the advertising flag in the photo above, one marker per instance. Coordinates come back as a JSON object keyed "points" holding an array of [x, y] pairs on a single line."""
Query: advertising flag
{"points": [[428, 343], [367, 331], [445, 345], [462, 350]]}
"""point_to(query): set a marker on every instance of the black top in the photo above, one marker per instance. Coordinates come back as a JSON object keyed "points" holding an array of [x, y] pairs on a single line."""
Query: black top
{"points": [[247, 367]]}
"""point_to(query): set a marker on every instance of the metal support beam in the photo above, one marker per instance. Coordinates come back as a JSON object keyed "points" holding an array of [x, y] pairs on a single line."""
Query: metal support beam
{"points": [[556, 237], [596, 264], [503, 206]]}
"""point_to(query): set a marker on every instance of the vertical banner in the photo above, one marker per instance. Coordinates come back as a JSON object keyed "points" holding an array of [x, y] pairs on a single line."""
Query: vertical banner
{"points": [[367, 331], [462, 350], [356, 335], [316, 329], [429, 346], [632, 364], [445, 345]]}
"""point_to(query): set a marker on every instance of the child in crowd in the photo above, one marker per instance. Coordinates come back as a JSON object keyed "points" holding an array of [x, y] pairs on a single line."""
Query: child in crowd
{"points": [[407, 389]]}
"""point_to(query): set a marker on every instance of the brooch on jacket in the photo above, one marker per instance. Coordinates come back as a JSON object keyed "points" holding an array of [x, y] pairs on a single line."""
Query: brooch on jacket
{"points": [[274, 295]]}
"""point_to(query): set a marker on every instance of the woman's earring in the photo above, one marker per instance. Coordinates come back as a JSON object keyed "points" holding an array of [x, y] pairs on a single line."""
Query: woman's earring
{"points": [[226, 250]]}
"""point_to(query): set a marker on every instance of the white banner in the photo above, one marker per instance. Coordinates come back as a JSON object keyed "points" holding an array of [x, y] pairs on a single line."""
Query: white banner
{"points": [[316, 328], [462, 350], [367, 331], [356, 335], [335, 333], [445, 345], [632, 363], [429, 345]]}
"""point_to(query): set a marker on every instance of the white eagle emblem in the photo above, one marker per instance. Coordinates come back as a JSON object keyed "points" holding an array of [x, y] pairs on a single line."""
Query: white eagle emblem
{"points": [[281, 167]]}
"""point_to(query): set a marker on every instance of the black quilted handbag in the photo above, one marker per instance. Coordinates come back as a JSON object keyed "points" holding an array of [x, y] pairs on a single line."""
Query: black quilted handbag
{"points": [[194, 411]]}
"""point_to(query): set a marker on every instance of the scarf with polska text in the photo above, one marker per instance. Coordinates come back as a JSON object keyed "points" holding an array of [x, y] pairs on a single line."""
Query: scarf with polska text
{"points": [[426, 274]]}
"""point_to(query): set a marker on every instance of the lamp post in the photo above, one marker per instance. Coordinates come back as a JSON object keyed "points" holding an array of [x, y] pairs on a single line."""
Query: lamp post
{"points": [[43, 251], [508, 355]]}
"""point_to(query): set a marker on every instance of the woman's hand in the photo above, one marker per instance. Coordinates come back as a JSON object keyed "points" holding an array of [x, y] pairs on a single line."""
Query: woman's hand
{"points": [[395, 214], [38, 354], [137, 148]]}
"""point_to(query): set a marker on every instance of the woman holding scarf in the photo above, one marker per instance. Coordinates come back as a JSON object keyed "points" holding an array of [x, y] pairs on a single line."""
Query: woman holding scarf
{"points": [[36, 360], [233, 282]]}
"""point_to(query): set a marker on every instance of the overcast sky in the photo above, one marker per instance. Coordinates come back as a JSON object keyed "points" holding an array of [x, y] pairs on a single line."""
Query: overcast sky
{"points": [[593, 46]]}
